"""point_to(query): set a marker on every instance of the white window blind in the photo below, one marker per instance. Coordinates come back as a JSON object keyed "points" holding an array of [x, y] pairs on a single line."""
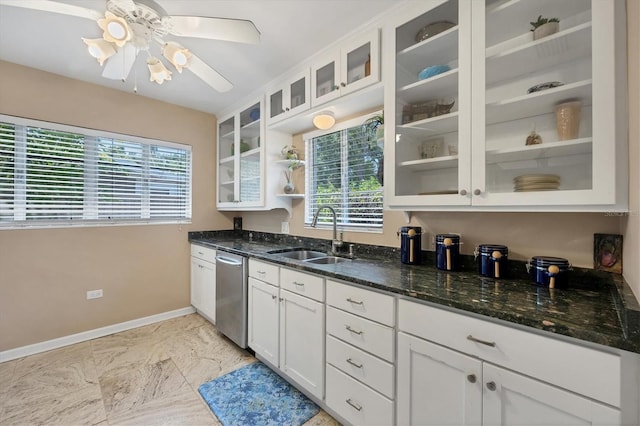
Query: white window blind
{"points": [[344, 171], [58, 175]]}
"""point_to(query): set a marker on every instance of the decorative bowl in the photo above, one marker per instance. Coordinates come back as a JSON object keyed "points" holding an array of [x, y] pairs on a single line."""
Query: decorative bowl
{"points": [[433, 29], [433, 70]]}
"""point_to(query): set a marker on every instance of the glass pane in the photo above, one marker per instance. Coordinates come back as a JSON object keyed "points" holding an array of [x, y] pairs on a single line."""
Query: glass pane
{"points": [[250, 165], [55, 174], [250, 183], [538, 100], [226, 161], [7, 171], [121, 182], [359, 63], [326, 79], [169, 181], [427, 104], [298, 95], [276, 106]]}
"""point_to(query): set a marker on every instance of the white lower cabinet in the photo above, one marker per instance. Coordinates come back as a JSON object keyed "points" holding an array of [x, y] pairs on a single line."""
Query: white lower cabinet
{"points": [[203, 281], [264, 314], [355, 402], [287, 329], [439, 385], [301, 341]]}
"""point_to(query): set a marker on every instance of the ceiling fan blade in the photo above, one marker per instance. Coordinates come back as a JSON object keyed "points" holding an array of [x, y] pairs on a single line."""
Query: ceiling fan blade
{"points": [[52, 6], [237, 30], [207, 74], [119, 65]]}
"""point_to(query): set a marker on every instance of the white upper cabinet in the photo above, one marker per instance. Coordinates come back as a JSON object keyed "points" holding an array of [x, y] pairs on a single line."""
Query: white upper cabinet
{"points": [[535, 123], [244, 183], [288, 98], [352, 66]]}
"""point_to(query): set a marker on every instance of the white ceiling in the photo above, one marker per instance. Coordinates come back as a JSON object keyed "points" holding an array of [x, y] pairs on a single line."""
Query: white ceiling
{"points": [[291, 31]]}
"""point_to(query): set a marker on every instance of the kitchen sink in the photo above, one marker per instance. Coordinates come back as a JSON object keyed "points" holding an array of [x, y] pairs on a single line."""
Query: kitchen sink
{"points": [[299, 254], [327, 260]]}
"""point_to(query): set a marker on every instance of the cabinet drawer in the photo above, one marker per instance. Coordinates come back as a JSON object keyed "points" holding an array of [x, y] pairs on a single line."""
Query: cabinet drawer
{"points": [[358, 404], [263, 271], [366, 303], [587, 371], [304, 284], [370, 370], [360, 332], [204, 253]]}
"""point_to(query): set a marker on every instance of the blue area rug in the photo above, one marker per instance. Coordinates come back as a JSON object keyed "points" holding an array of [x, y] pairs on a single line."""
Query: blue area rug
{"points": [[255, 395]]}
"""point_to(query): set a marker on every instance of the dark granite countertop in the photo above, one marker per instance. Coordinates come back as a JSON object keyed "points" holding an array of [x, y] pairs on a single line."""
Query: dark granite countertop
{"points": [[600, 310]]}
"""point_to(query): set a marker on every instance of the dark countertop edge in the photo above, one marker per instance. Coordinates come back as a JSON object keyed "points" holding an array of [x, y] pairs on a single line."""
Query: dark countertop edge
{"points": [[629, 312]]}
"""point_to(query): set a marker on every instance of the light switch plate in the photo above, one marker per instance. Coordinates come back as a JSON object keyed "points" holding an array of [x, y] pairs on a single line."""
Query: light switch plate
{"points": [[284, 227]]}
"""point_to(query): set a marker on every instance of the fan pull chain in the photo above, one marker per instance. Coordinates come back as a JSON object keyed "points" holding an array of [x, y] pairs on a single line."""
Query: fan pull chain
{"points": [[135, 81]]}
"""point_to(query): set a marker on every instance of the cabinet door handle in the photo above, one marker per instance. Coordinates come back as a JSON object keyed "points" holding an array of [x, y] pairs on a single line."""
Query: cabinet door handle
{"points": [[348, 327], [274, 297], [463, 192], [353, 404], [477, 192], [482, 342], [355, 302], [355, 364], [491, 386], [287, 109], [281, 299], [343, 84], [298, 284], [471, 378], [336, 87]]}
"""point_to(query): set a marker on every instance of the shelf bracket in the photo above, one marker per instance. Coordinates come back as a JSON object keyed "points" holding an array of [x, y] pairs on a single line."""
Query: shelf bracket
{"points": [[407, 216]]}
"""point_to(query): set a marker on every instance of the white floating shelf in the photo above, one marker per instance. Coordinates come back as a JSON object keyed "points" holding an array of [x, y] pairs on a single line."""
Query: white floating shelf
{"points": [[439, 49], [543, 150], [285, 163], [439, 86], [564, 46], [441, 124], [446, 162], [538, 103], [290, 195]]}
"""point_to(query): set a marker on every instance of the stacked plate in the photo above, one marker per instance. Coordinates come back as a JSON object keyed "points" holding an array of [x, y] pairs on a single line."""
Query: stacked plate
{"points": [[536, 182]]}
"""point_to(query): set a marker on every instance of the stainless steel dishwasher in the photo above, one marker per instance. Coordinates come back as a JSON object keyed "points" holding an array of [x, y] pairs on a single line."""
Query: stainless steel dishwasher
{"points": [[231, 297]]}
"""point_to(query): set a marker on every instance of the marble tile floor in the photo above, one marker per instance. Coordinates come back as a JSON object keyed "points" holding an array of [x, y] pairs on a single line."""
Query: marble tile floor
{"points": [[145, 376]]}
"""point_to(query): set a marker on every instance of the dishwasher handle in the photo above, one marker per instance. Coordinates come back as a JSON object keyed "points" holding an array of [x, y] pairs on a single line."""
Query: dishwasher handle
{"points": [[228, 261]]}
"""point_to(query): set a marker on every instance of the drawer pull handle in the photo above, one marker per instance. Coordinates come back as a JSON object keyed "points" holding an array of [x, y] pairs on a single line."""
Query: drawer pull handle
{"points": [[355, 364], [491, 386], [200, 253], [298, 284], [348, 327], [482, 342], [355, 302], [261, 272], [471, 378], [353, 404]]}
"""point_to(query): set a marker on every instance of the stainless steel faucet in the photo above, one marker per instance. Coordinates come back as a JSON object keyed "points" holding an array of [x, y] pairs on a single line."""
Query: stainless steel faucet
{"points": [[335, 243]]}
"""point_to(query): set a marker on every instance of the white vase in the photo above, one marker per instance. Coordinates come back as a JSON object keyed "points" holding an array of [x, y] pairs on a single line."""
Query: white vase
{"points": [[546, 30]]}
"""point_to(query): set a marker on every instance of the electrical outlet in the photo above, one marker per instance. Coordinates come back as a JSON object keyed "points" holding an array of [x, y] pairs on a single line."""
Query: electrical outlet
{"points": [[284, 227], [94, 294]]}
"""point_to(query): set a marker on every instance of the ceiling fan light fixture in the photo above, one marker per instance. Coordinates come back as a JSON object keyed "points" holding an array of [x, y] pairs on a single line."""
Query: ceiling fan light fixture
{"points": [[324, 120], [177, 55], [115, 29], [99, 49], [158, 72]]}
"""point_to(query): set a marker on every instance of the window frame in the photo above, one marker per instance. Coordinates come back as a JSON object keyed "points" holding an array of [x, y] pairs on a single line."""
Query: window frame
{"points": [[93, 136], [308, 214]]}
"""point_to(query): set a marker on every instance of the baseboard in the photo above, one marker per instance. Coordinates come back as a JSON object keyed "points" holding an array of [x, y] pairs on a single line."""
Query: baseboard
{"points": [[90, 334]]}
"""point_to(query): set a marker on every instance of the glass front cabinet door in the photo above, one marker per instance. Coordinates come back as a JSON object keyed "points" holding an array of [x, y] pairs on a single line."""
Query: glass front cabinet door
{"points": [[504, 116], [240, 159], [289, 98], [428, 109]]}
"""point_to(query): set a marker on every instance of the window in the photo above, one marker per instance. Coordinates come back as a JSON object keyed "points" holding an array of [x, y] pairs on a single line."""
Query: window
{"points": [[52, 174], [344, 170]]}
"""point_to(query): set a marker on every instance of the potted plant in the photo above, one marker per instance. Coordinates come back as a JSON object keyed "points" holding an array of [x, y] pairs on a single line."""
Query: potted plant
{"points": [[544, 27], [376, 123]]}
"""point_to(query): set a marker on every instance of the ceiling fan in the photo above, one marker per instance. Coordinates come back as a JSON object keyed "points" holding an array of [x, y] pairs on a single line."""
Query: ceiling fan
{"points": [[130, 27]]}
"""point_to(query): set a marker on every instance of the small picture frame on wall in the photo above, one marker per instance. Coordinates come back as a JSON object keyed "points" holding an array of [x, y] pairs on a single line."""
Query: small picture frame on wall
{"points": [[607, 253]]}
